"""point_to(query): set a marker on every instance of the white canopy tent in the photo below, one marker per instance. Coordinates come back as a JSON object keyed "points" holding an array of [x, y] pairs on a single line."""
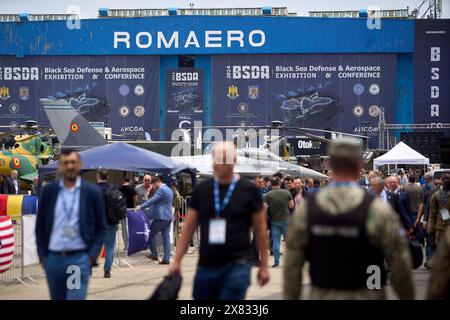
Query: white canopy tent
{"points": [[401, 154]]}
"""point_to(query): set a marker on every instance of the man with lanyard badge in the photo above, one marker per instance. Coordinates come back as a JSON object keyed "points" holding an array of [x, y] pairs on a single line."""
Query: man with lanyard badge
{"points": [[439, 218], [70, 229], [226, 208]]}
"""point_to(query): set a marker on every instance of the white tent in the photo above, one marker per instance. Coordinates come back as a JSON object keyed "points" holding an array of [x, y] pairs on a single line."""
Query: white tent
{"points": [[401, 154]]}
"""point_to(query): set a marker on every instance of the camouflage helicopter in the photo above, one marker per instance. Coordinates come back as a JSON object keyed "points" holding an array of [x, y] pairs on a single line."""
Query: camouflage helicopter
{"points": [[24, 149]]}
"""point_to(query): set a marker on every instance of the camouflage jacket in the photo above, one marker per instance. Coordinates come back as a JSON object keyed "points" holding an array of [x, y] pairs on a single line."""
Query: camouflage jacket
{"points": [[439, 285], [435, 222], [383, 230]]}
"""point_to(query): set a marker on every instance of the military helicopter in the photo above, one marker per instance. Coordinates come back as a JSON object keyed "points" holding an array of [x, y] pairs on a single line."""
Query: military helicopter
{"points": [[25, 148]]}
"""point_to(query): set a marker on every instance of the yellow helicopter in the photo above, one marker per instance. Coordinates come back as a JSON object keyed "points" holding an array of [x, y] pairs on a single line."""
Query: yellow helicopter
{"points": [[25, 152]]}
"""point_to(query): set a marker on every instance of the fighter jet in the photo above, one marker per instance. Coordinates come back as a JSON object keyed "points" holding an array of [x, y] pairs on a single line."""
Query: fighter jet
{"points": [[91, 107], [250, 167], [73, 130], [185, 97], [305, 107]]}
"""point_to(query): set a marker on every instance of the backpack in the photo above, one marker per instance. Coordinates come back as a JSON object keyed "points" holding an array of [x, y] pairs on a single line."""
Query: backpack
{"points": [[116, 204]]}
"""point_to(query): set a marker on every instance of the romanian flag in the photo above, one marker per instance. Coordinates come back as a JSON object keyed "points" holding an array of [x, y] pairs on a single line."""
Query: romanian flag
{"points": [[17, 205]]}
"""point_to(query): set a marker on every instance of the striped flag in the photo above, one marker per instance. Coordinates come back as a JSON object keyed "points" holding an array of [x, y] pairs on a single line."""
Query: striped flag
{"points": [[17, 205], [6, 243]]}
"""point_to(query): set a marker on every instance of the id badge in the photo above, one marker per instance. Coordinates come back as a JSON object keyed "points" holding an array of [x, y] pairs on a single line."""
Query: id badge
{"points": [[217, 231], [445, 215], [68, 232]]}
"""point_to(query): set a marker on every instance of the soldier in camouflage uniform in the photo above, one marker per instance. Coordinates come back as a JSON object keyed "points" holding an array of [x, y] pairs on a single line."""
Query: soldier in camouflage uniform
{"points": [[439, 218], [344, 232], [439, 285]]}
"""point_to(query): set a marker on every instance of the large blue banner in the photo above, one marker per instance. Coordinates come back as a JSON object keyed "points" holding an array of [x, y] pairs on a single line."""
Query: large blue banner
{"points": [[344, 92], [184, 97], [432, 71], [121, 92], [194, 34]]}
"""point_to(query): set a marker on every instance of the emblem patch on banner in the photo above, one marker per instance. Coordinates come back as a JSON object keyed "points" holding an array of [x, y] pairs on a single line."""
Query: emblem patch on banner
{"points": [[242, 107], [139, 111], [233, 92], [358, 110], [124, 90], [139, 90], [358, 89], [14, 108], [374, 89], [124, 111], [24, 93], [4, 93], [374, 111], [253, 92]]}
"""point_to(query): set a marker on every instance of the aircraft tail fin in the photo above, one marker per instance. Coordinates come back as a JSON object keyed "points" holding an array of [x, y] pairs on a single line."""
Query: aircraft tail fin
{"points": [[72, 129]]}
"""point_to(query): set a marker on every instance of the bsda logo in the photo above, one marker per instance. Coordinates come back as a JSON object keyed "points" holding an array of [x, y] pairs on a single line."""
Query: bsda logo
{"points": [[248, 72], [19, 73], [184, 76]]}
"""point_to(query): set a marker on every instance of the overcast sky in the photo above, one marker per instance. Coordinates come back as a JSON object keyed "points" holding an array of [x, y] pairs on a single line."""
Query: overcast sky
{"points": [[89, 8]]}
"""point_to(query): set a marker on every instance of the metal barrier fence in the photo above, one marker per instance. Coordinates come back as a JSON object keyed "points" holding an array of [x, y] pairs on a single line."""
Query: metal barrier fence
{"points": [[184, 210], [19, 272]]}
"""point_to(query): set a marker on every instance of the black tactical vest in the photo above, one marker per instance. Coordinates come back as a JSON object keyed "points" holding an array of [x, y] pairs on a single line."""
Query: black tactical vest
{"points": [[339, 252]]}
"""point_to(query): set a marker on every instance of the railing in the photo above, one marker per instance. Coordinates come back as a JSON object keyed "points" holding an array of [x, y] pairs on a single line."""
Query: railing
{"points": [[18, 270]]}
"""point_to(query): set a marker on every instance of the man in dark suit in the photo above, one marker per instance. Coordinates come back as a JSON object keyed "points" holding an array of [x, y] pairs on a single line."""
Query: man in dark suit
{"points": [[70, 229], [11, 184], [377, 187], [392, 185], [402, 205], [396, 203]]}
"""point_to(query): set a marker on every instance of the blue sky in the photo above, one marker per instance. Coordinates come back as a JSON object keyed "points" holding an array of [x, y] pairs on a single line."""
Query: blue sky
{"points": [[89, 8]]}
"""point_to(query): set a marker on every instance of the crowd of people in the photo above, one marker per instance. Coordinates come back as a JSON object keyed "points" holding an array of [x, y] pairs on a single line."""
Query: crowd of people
{"points": [[76, 218], [339, 228], [10, 184]]}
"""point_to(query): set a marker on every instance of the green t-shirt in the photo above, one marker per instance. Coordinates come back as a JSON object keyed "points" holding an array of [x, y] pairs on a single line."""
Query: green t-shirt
{"points": [[278, 201]]}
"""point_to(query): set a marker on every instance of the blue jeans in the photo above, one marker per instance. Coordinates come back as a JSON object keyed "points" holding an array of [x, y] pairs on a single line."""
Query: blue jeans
{"points": [[277, 228], [110, 241], [429, 248], [229, 282], [162, 226], [68, 276]]}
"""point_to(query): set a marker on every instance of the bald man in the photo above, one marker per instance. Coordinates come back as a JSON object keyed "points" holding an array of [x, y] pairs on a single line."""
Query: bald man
{"points": [[143, 190], [226, 208]]}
